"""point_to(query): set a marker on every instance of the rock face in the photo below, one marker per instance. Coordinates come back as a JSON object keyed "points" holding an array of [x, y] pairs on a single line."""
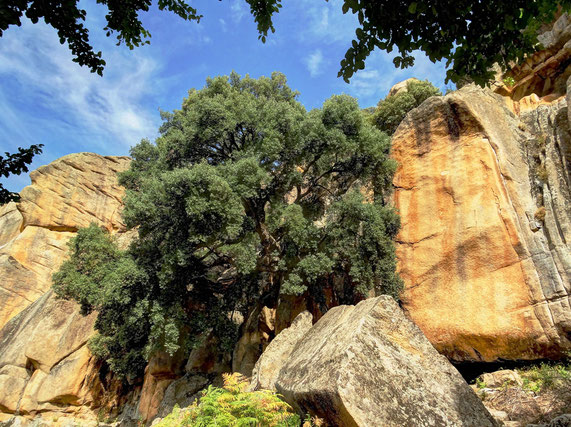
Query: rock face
{"points": [[278, 351], [484, 246], [65, 195], [544, 73], [45, 366], [368, 365]]}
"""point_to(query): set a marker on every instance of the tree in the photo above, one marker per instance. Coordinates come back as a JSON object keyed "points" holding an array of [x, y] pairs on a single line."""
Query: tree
{"points": [[16, 163], [470, 35], [392, 110], [243, 197], [122, 18]]}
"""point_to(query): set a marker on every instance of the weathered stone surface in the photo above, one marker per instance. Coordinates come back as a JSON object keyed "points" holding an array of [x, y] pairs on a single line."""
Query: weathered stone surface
{"points": [[500, 378], [65, 195], [278, 351], [401, 87], [368, 365], [45, 366], [480, 282], [10, 222], [73, 192], [43, 358], [544, 73]]}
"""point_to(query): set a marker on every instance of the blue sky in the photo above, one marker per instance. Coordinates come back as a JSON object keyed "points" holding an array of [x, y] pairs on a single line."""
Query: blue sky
{"points": [[46, 98]]}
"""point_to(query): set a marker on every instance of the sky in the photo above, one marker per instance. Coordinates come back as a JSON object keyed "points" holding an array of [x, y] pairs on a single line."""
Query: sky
{"points": [[46, 98]]}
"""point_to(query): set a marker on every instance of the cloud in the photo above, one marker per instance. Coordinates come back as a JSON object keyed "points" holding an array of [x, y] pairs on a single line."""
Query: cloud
{"points": [[238, 11], [223, 25], [326, 23], [314, 63], [69, 98]]}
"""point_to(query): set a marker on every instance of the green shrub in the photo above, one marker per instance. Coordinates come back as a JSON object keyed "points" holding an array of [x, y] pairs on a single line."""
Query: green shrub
{"points": [[392, 110], [547, 376], [232, 405]]}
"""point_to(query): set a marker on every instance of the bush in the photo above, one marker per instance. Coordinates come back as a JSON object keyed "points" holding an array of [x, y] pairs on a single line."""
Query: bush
{"points": [[392, 110], [232, 405], [547, 377]]}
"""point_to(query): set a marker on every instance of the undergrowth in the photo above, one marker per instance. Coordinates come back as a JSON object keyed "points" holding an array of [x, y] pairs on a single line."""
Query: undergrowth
{"points": [[233, 406]]}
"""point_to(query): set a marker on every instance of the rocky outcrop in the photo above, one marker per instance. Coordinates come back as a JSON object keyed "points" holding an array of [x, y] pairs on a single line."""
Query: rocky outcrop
{"points": [[45, 366], [278, 351], [70, 193], [368, 365], [486, 261], [543, 74]]}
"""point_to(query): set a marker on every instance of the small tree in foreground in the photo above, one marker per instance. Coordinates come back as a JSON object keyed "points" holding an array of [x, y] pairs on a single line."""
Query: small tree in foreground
{"points": [[243, 197]]}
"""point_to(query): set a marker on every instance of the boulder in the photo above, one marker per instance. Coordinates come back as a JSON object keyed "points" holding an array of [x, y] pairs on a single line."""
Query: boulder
{"points": [[278, 351], [504, 377], [481, 280], [401, 87], [368, 365]]}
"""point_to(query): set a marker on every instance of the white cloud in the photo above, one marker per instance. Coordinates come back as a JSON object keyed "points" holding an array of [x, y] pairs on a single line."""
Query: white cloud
{"points": [[108, 109], [314, 63], [223, 25], [326, 22], [238, 11]]}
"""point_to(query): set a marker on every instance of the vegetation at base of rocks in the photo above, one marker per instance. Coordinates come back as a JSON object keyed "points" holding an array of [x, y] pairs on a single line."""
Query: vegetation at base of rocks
{"points": [[544, 393], [15, 164], [243, 197], [392, 110], [232, 405], [546, 377], [541, 172]]}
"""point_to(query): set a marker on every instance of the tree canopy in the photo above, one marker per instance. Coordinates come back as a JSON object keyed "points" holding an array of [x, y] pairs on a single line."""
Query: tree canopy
{"points": [[392, 110], [15, 164], [470, 35], [244, 196]]}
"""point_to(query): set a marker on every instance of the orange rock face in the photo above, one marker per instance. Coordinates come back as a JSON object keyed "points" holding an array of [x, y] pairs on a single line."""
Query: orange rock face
{"points": [[68, 194], [480, 283], [45, 366]]}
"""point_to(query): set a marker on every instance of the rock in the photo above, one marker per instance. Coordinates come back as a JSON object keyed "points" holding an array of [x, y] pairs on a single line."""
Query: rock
{"points": [[44, 361], [499, 415], [278, 351], [257, 332], [401, 87], [545, 72], [182, 392], [560, 421], [74, 191], [505, 377], [479, 282], [368, 365], [65, 195], [45, 366]]}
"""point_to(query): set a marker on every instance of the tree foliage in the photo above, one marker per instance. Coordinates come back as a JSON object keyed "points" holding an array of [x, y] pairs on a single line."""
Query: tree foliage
{"points": [[243, 197], [470, 35], [15, 164], [392, 110]]}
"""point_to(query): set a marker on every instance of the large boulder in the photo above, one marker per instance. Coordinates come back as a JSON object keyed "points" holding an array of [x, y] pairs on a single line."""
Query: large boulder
{"points": [[484, 245], [271, 361], [368, 365]]}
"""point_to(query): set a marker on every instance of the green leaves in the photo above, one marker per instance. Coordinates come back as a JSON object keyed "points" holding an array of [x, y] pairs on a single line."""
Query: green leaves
{"points": [[15, 164], [244, 196]]}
